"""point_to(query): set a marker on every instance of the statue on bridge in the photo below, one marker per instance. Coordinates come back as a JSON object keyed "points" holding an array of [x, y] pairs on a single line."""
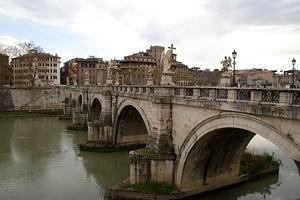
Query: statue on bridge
{"points": [[166, 60], [226, 64], [73, 72], [225, 80], [110, 67]]}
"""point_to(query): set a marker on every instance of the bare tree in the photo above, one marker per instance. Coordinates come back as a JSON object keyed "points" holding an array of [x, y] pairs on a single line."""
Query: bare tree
{"points": [[19, 49]]}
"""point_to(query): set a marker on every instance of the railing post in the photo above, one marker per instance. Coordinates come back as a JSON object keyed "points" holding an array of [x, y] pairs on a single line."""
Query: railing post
{"points": [[182, 91], [232, 95], [148, 90], [212, 93], [286, 98], [256, 96], [196, 92]]}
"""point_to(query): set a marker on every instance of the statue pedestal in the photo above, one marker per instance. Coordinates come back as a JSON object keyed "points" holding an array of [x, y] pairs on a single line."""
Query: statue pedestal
{"points": [[225, 80], [109, 81], [117, 82], [150, 81], [166, 79]]}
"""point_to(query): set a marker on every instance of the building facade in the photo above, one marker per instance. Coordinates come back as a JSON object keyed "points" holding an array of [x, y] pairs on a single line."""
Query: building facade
{"points": [[157, 53], [5, 70], [135, 69], [84, 71], [254, 77], [286, 79], [36, 69]]}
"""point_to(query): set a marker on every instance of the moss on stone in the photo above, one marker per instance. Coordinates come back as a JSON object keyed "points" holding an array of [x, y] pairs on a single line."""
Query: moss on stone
{"points": [[154, 187], [252, 164]]}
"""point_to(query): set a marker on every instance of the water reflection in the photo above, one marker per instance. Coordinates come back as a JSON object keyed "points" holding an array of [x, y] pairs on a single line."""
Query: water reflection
{"points": [[283, 186], [259, 189], [39, 159], [107, 168]]}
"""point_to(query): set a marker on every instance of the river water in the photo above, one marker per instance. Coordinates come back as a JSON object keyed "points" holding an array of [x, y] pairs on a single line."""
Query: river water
{"points": [[39, 159]]}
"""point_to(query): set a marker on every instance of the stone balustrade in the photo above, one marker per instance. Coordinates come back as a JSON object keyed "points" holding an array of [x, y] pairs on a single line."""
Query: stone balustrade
{"points": [[289, 97]]}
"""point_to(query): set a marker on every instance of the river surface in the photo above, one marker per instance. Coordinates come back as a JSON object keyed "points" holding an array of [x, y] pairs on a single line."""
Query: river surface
{"points": [[39, 159]]}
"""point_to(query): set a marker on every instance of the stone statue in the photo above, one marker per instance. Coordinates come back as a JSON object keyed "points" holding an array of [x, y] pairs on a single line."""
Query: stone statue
{"points": [[73, 70], [87, 78], [167, 61], [226, 64], [111, 65], [117, 74], [150, 73]]}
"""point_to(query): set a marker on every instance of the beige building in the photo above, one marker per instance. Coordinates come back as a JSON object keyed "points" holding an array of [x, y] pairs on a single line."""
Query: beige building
{"points": [[156, 52], [181, 73], [36, 69], [82, 71], [136, 68], [254, 77], [5, 70], [286, 79], [205, 77]]}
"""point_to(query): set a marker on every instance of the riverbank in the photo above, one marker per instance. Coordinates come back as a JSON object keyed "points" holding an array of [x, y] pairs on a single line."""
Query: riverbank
{"points": [[104, 147], [42, 113], [253, 167], [77, 127]]}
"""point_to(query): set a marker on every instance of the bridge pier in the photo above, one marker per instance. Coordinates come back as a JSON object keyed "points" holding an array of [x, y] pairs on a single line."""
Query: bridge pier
{"points": [[146, 165], [155, 162], [100, 132], [79, 117], [67, 110]]}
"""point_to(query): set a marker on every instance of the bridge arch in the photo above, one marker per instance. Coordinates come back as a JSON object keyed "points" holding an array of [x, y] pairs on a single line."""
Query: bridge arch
{"points": [[79, 101], [131, 123], [199, 162], [95, 111]]}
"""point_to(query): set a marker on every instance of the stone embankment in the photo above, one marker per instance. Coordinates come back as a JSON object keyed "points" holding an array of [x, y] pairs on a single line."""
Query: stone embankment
{"points": [[32, 99]]}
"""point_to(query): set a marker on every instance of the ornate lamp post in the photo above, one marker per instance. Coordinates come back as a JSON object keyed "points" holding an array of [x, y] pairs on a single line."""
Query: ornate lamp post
{"points": [[293, 81], [234, 54], [196, 75], [129, 76]]}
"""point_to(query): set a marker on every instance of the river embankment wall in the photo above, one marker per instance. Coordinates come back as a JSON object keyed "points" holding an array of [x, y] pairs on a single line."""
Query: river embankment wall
{"points": [[32, 99]]}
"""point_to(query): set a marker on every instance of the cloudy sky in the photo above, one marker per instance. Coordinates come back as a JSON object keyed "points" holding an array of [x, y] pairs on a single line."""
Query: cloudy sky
{"points": [[265, 33]]}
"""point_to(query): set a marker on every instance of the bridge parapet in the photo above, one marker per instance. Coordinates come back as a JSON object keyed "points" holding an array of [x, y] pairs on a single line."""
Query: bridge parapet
{"points": [[290, 97]]}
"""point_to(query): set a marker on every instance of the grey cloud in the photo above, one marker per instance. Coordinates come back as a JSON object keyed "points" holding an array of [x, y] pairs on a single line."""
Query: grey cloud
{"points": [[256, 12], [46, 10]]}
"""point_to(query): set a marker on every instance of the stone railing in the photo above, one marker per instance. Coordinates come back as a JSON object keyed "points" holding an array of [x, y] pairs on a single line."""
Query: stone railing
{"points": [[251, 95]]}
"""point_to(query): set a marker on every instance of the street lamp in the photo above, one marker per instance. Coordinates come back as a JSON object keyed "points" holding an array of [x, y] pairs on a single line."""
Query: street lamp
{"points": [[234, 53], [293, 81], [129, 76]]}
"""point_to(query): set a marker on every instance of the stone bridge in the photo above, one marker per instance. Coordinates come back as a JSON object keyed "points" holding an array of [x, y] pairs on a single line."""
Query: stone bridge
{"points": [[195, 135]]}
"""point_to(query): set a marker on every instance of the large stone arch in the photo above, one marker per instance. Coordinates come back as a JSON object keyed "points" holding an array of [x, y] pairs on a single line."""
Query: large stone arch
{"points": [[233, 126], [123, 108]]}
